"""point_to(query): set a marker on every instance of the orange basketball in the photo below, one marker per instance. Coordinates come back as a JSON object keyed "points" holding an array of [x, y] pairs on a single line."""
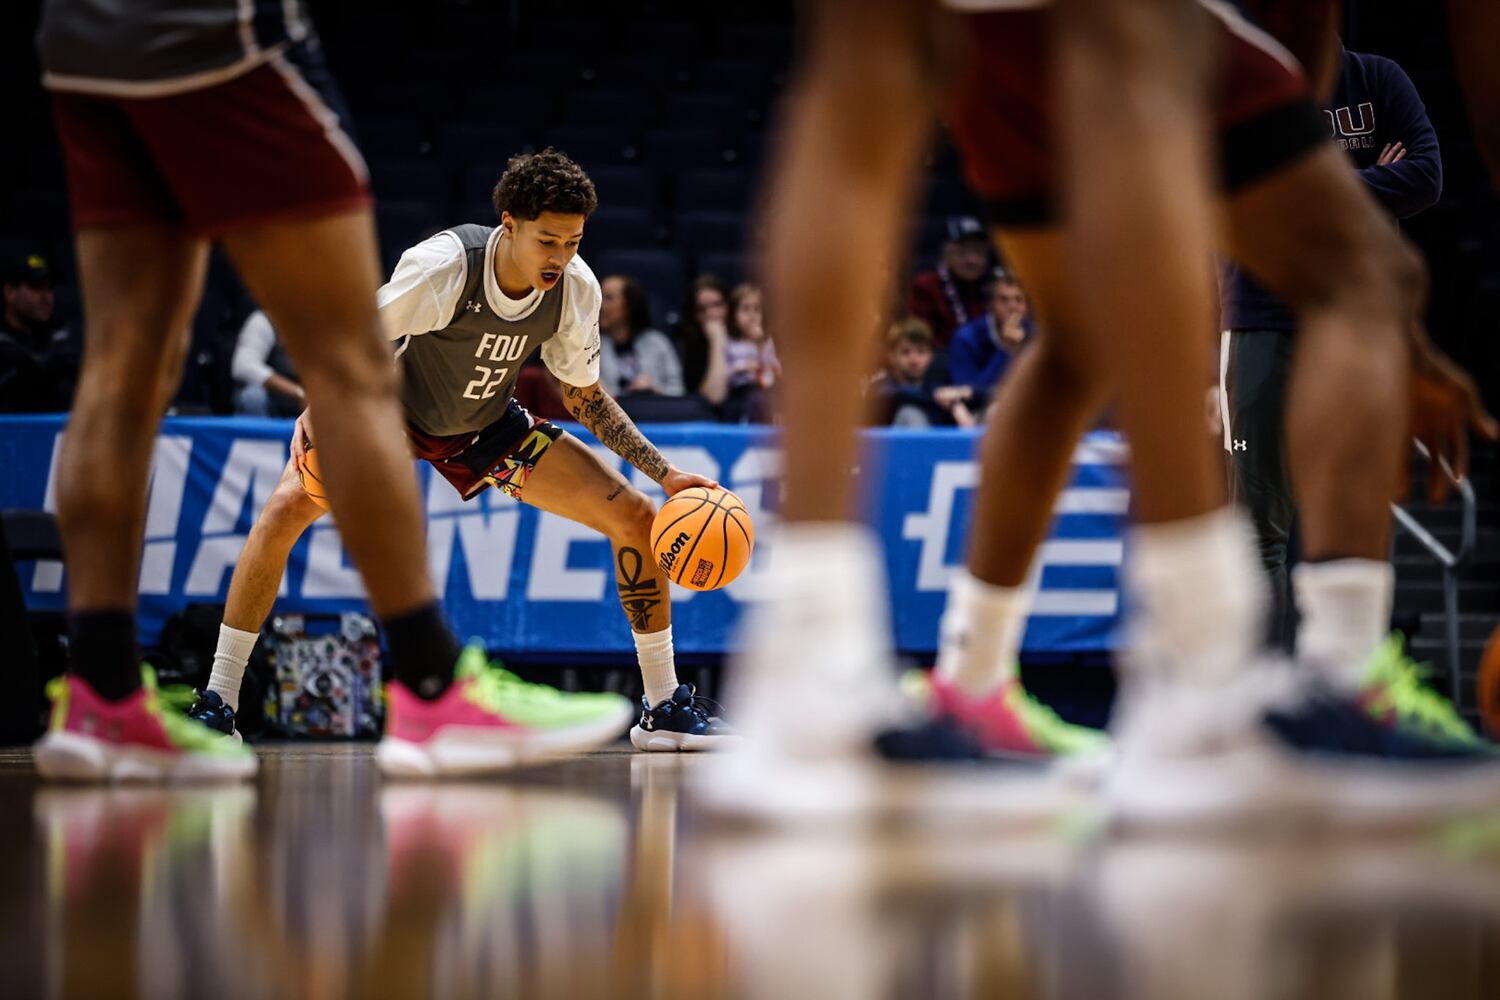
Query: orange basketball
{"points": [[1489, 685], [312, 478], [702, 538]]}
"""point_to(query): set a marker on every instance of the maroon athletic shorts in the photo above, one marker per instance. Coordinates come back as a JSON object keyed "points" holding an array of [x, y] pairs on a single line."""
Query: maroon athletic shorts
{"points": [[999, 111], [270, 144], [502, 455]]}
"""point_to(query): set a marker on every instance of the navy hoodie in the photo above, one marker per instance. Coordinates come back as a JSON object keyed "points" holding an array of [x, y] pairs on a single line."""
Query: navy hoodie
{"points": [[1374, 103]]}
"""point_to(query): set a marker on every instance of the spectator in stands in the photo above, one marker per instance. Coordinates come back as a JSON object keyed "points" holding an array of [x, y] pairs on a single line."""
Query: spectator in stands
{"points": [[39, 358], [750, 357], [634, 357], [900, 391], [953, 294], [265, 382], [983, 349], [701, 337]]}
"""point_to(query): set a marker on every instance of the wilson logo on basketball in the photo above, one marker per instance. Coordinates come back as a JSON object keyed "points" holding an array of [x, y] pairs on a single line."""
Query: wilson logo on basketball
{"points": [[669, 557], [702, 572]]}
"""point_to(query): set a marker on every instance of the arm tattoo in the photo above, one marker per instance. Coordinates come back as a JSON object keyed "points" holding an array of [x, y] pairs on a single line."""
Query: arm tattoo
{"points": [[595, 409]]}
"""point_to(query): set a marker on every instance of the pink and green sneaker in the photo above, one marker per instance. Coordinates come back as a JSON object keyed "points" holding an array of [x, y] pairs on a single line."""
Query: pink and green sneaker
{"points": [[491, 720], [138, 738], [1007, 722]]}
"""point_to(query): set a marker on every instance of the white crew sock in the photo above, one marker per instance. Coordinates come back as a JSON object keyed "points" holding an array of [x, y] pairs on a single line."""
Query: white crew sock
{"points": [[1199, 597], [1346, 612], [658, 671], [230, 659], [980, 633], [814, 674]]}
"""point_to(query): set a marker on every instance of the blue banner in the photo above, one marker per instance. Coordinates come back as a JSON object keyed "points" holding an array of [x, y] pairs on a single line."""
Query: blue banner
{"points": [[532, 583]]}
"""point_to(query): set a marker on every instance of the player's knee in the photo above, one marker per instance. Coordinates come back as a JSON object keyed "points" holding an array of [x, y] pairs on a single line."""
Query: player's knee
{"points": [[349, 371], [121, 402], [289, 508], [632, 513]]}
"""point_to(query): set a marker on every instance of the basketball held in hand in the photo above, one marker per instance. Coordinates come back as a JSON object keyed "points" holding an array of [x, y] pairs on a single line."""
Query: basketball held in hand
{"points": [[312, 478], [702, 538]]}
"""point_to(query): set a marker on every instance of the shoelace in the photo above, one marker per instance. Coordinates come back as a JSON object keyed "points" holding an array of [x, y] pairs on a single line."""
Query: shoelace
{"points": [[493, 685], [704, 706]]}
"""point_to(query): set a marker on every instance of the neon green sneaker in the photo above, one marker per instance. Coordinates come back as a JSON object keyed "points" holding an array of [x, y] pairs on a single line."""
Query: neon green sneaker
{"points": [[1006, 722], [490, 720], [1394, 691], [138, 738]]}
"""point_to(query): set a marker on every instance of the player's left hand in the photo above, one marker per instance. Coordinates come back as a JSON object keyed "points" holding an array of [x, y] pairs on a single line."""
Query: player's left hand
{"points": [[1445, 406], [675, 481]]}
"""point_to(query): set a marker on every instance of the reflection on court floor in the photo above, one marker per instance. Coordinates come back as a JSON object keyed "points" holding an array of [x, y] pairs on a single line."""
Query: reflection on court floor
{"points": [[601, 877]]}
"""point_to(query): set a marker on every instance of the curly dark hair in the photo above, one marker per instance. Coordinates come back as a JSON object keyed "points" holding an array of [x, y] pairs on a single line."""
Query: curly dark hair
{"points": [[548, 181]]}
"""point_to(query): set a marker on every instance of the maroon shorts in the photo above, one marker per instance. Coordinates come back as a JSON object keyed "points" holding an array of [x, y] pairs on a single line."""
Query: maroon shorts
{"points": [[502, 455], [999, 111], [270, 144]]}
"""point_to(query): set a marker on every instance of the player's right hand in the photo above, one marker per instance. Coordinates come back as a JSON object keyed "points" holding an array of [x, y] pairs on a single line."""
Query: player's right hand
{"points": [[1445, 406], [301, 438]]}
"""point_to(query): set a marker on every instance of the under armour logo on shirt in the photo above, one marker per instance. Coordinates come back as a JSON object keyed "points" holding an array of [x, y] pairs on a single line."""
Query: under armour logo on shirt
{"points": [[473, 306], [1240, 445]]}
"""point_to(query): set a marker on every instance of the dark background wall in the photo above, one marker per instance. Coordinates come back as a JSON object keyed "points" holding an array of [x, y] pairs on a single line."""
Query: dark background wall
{"points": [[667, 103]]}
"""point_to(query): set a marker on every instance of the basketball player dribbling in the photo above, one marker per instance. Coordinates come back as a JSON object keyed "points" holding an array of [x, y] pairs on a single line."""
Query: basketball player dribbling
{"points": [[1114, 241], [190, 122], [467, 308]]}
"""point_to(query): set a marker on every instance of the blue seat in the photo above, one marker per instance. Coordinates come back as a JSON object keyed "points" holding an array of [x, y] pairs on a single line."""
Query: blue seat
{"points": [[660, 272], [763, 42], [626, 187], [467, 141], [684, 149], [617, 229], [390, 137], [634, 71], [731, 268], [596, 144], [508, 104], [410, 179], [525, 68], [38, 213], [699, 233], [675, 40], [705, 110], [746, 79], [576, 34], [404, 224], [719, 189], [477, 182], [402, 99], [631, 109], [480, 212]]}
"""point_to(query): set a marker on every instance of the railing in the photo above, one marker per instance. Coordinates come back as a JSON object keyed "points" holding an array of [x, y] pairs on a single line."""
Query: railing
{"points": [[1451, 561]]}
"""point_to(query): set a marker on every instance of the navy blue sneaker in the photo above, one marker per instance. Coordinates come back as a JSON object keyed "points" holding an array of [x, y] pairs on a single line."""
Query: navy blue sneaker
{"points": [[1266, 748], [211, 710], [684, 721]]}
